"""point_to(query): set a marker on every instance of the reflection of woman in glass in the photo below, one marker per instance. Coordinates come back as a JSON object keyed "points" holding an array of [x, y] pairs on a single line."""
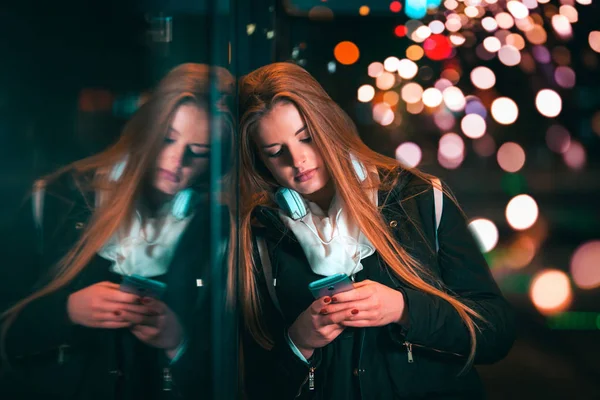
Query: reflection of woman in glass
{"points": [[134, 209], [416, 316]]}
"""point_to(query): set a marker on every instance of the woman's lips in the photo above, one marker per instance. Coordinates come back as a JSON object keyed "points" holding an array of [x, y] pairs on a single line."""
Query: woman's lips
{"points": [[168, 175], [305, 176]]}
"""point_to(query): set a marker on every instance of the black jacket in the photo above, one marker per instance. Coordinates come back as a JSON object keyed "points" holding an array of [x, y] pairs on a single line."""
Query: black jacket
{"points": [[52, 358], [379, 367]]}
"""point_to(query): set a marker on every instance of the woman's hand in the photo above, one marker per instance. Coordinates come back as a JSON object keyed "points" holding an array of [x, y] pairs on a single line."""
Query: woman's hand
{"points": [[368, 304], [158, 328], [102, 306], [314, 328]]}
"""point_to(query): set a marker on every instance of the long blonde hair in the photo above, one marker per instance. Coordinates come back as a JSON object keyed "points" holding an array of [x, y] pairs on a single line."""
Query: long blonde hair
{"points": [[141, 142], [336, 137]]}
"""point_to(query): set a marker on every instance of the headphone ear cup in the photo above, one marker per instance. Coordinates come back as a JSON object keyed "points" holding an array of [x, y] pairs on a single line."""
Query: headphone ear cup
{"points": [[182, 203], [291, 203]]}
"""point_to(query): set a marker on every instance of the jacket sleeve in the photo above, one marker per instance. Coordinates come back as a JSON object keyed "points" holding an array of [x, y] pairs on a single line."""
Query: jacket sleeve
{"points": [[277, 373], [44, 324], [434, 323]]}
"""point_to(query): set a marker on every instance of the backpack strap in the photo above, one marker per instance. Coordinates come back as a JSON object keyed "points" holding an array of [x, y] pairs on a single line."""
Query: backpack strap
{"points": [[265, 260], [438, 204]]}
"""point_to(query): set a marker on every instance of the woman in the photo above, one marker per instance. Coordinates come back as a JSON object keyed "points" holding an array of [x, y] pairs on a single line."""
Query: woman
{"points": [[70, 329], [416, 319]]}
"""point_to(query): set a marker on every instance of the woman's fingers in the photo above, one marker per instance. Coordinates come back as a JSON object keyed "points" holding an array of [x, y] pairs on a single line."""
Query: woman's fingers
{"points": [[360, 292], [139, 319], [114, 324]]}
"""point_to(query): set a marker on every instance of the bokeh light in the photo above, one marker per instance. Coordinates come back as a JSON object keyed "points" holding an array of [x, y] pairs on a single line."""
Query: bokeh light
{"points": [[366, 93], [585, 265], [504, 110], [409, 154], [564, 77], [484, 146], [364, 10], [550, 291], [492, 44], [432, 97], [444, 120], [391, 64], [548, 103], [483, 77], [454, 98], [346, 53], [575, 156], [509, 55], [594, 41], [407, 69], [511, 157], [437, 47], [414, 52], [451, 146], [521, 212], [520, 253], [558, 139], [412, 92], [383, 114], [391, 98], [375, 69], [385, 81], [485, 232], [473, 126]]}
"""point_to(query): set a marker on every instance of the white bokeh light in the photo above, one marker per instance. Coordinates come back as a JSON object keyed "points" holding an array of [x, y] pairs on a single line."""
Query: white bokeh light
{"points": [[483, 78], [432, 97], [473, 126], [509, 55], [517, 9], [486, 233], [454, 98], [407, 69], [548, 103], [391, 64], [521, 212], [366, 93], [504, 110], [451, 146], [409, 154]]}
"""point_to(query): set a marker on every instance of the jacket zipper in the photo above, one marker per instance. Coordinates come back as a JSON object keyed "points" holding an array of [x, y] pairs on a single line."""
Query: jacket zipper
{"points": [[167, 380], [310, 378], [409, 352]]}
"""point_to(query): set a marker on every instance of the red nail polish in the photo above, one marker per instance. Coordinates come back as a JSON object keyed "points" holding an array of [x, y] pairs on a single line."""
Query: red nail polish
{"points": [[117, 313], [333, 299], [354, 312], [323, 311], [146, 300], [327, 299]]}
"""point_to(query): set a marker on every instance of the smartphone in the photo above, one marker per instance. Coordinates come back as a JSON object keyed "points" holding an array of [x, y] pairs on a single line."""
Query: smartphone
{"points": [[143, 287], [330, 285]]}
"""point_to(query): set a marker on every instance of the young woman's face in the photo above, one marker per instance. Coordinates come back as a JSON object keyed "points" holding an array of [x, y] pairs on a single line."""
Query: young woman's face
{"points": [[185, 153], [287, 150]]}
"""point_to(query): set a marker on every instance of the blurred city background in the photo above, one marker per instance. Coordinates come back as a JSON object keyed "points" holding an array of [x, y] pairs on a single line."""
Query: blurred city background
{"points": [[501, 99]]}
